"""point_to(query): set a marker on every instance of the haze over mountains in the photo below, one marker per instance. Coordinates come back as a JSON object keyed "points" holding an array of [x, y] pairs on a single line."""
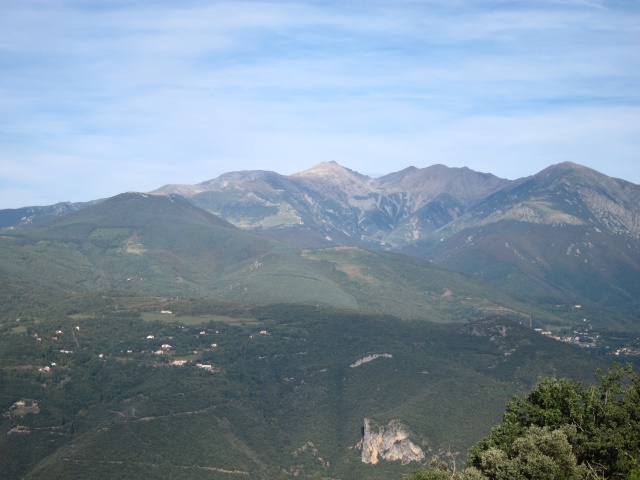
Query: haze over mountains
{"points": [[567, 228], [397, 209], [404, 207], [567, 231], [330, 204]]}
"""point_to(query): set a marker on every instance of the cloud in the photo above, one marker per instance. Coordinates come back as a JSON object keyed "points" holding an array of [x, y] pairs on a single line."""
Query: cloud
{"points": [[131, 95]]}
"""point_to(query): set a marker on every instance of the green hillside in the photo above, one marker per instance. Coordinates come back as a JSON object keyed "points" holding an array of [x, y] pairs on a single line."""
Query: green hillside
{"points": [[550, 264], [163, 245], [158, 245], [412, 288], [281, 396]]}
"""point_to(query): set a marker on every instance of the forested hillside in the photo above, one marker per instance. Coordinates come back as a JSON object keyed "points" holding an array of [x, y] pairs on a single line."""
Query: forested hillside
{"points": [[106, 385]]}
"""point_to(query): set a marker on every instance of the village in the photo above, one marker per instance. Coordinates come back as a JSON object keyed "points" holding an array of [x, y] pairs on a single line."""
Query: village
{"points": [[586, 337]]}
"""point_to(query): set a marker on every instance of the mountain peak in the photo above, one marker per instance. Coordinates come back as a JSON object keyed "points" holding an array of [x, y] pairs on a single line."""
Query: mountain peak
{"points": [[336, 176], [572, 172], [563, 167], [427, 183], [329, 170]]}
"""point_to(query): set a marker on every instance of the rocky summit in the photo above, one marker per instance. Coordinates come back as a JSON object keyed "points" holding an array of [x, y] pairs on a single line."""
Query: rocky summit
{"points": [[329, 204]]}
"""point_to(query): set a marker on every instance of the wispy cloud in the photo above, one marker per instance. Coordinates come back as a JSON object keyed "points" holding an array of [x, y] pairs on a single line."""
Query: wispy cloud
{"points": [[131, 95]]}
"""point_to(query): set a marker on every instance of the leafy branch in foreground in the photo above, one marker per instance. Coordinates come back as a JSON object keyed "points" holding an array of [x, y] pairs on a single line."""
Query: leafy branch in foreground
{"points": [[561, 430]]}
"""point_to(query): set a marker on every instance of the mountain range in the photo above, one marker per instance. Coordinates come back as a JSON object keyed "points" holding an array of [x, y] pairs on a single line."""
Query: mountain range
{"points": [[268, 326], [567, 232], [164, 245], [332, 205]]}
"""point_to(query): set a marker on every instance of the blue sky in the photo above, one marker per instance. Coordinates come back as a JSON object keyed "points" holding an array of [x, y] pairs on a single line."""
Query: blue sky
{"points": [[102, 97]]}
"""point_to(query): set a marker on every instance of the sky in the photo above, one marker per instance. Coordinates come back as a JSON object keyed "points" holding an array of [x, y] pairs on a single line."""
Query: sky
{"points": [[99, 97]]}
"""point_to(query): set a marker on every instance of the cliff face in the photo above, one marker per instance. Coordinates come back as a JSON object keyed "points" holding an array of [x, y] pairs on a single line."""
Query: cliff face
{"points": [[390, 442]]}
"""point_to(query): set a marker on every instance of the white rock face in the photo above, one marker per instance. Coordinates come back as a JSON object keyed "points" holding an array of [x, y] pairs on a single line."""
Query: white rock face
{"points": [[390, 442], [369, 358]]}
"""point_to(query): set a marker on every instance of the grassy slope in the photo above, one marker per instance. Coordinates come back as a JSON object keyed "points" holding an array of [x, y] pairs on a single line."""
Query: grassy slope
{"points": [[550, 265], [417, 289], [162, 245], [166, 246]]}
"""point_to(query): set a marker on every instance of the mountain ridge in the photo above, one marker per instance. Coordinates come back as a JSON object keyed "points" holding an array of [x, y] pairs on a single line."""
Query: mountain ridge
{"points": [[566, 230], [391, 211], [332, 200]]}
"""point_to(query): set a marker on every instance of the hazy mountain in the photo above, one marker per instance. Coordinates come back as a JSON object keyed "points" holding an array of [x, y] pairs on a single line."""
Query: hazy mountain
{"points": [[563, 194], [567, 233], [21, 217], [410, 205], [332, 205], [165, 245], [566, 229]]}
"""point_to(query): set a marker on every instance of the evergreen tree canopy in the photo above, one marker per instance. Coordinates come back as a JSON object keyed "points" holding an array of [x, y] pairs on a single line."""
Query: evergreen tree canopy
{"points": [[562, 430]]}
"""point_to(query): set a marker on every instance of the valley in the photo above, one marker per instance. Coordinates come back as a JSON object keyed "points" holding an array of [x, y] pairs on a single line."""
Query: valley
{"points": [[175, 397]]}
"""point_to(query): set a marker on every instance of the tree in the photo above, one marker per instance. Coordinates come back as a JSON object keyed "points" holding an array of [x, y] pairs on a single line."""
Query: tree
{"points": [[540, 454], [601, 423], [562, 431]]}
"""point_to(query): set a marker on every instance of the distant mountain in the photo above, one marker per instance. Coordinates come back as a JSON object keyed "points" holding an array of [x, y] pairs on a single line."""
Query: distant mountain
{"points": [[21, 217], [567, 229], [563, 194], [332, 205], [565, 234], [164, 245]]}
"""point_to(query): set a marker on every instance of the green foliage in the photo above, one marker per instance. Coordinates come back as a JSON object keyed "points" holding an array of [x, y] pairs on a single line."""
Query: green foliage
{"points": [[157, 245], [429, 475], [115, 408], [540, 454], [601, 424]]}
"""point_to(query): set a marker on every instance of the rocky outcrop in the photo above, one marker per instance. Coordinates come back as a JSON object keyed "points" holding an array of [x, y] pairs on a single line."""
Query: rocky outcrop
{"points": [[388, 442], [369, 358]]}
